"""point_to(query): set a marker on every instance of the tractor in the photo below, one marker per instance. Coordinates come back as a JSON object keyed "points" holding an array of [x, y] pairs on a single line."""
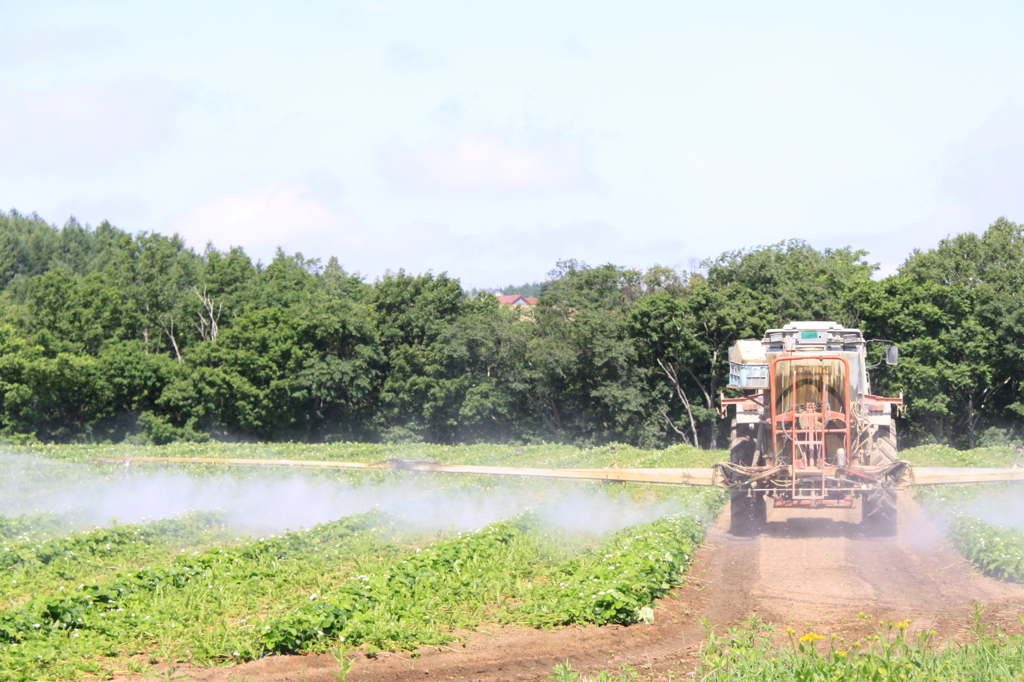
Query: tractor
{"points": [[808, 433]]}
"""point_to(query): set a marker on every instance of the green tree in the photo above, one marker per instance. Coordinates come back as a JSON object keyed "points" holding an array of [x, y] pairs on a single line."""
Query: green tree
{"points": [[157, 275], [419, 393], [957, 313], [588, 386]]}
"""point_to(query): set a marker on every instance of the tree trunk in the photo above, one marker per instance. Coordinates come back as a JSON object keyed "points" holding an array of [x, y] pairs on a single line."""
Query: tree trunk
{"points": [[673, 377], [713, 442], [972, 421]]}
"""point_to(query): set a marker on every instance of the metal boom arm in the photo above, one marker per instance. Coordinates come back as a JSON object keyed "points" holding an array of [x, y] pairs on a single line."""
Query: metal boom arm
{"points": [[713, 476]]}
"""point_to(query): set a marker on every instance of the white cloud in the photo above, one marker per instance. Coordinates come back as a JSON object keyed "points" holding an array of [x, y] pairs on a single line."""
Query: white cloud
{"points": [[77, 129], [488, 163], [262, 218]]}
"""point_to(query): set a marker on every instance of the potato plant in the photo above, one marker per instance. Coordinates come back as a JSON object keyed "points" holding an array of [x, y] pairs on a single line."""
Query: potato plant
{"points": [[996, 551], [507, 572], [619, 581]]}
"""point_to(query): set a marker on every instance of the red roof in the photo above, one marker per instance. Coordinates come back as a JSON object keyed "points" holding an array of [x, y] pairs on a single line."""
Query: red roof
{"points": [[517, 299]]}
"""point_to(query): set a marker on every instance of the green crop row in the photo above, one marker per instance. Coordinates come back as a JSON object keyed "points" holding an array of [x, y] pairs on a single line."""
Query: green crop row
{"points": [[619, 582], [996, 551], [547, 455], [74, 610], [945, 456], [505, 572], [31, 569], [22, 557], [307, 590], [421, 597], [106, 601], [39, 526], [202, 606]]}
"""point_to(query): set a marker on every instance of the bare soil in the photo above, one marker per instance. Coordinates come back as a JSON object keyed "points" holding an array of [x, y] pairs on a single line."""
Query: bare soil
{"points": [[807, 571]]}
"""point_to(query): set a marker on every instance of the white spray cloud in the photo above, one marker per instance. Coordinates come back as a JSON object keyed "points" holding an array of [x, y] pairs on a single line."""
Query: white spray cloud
{"points": [[277, 500], [1001, 506]]}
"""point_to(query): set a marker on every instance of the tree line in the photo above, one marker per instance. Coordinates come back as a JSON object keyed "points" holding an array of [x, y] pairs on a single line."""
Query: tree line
{"points": [[112, 336]]}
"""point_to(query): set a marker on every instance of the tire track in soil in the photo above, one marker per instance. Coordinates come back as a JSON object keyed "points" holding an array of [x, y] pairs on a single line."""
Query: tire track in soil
{"points": [[806, 572]]}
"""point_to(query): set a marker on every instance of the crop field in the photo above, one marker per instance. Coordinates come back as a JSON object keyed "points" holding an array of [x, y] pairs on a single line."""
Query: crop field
{"points": [[216, 566], [123, 598]]}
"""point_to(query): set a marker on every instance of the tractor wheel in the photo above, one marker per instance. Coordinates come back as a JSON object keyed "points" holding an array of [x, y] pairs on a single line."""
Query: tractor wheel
{"points": [[879, 513], [747, 514], [883, 446], [742, 443]]}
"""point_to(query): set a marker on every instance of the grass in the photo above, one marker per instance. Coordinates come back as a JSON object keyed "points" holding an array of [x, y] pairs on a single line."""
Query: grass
{"points": [[540, 456], [756, 651], [753, 652]]}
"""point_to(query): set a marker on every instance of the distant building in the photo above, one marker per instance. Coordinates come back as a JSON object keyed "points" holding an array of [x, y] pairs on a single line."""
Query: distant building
{"points": [[517, 299]]}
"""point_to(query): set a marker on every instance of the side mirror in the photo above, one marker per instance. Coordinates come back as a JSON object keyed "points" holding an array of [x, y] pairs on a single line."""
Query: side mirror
{"points": [[892, 355]]}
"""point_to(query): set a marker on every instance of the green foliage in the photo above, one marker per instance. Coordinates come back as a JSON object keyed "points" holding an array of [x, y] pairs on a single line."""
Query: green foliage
{"points": [[619, 581], [530, 290], [945, 456], [188, 595], [40, 526], [957, 312], [547, 456], [996, 551]]}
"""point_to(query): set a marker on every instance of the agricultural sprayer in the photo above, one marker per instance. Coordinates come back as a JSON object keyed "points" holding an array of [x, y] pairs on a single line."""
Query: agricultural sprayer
{"points": [[809, 433]]}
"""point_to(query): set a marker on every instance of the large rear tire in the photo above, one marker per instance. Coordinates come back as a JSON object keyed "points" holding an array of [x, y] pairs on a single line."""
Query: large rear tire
{"points": [[747, 513], [742, 443], [879, 513], [883, 446]]}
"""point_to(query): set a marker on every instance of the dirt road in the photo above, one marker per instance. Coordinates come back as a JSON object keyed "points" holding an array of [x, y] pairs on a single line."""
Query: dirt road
{"points": [[809, 573]]}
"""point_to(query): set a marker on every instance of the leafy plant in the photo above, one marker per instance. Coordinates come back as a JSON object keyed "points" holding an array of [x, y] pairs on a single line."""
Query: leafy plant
{"points": [[998, 552]]}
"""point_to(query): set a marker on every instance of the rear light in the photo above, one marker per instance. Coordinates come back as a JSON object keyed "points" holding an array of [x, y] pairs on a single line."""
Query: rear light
{"points": [[877, 407]]}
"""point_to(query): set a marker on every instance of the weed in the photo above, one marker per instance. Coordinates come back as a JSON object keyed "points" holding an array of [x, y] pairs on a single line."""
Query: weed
{"points": [[169, 674], [563, 672], [345, 664]]}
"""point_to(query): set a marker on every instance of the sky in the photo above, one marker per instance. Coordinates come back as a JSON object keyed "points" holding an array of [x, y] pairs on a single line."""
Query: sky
{"points": [[490, 139]]}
